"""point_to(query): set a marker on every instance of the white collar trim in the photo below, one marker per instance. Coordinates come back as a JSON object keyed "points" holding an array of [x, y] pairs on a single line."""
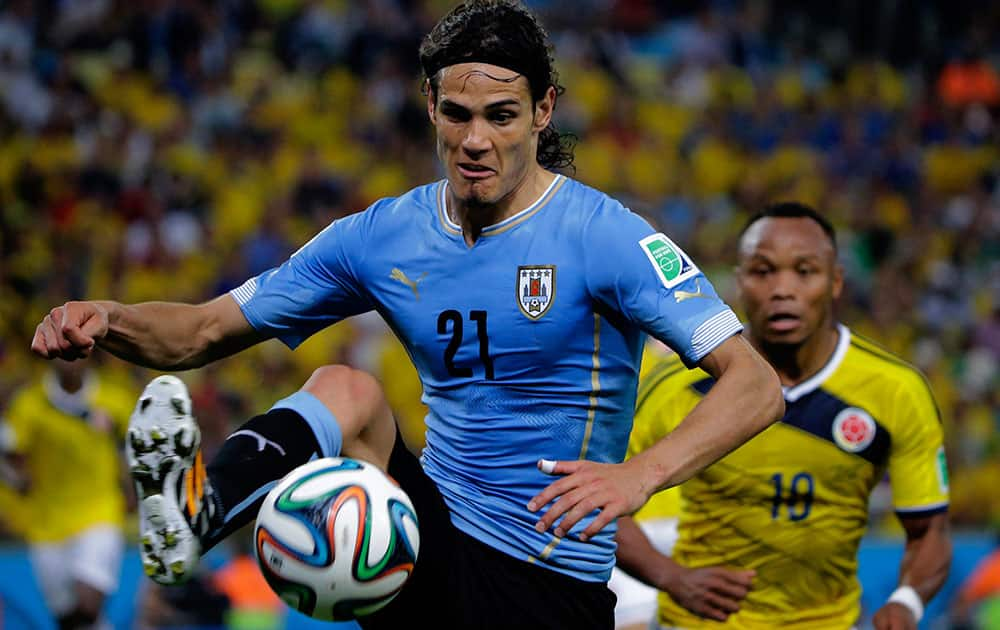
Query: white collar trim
{"points": [[813, 382], [510, 219]]}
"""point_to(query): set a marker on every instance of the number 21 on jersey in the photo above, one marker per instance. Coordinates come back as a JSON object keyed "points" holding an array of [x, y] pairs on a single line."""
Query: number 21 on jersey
{"points": [[452, 319]]}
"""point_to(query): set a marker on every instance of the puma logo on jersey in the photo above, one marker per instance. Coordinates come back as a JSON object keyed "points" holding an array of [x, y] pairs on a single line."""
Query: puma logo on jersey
{"points": [[262, 442], [397, 274], [680, 295]]}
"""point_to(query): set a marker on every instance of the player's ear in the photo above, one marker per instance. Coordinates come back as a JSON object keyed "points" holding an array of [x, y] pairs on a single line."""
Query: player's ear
{"points": [[431, 99], [738, 274], [838, 280], [544, 108]]}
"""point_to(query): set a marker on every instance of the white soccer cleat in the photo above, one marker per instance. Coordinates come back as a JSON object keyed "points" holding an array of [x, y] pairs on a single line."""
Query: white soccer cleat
{"points": [[165, 461]]}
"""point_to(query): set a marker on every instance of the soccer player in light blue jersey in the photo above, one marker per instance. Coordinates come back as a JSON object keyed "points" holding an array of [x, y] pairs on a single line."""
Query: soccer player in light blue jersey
{"points": [[523, 298]]}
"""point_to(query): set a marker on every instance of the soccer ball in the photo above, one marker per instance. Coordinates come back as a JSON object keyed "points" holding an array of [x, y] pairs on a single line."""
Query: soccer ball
{"points": [[336, 538]]}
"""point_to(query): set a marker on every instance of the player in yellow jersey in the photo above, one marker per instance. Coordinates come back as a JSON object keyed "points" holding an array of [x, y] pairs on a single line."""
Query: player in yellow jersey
{"points": [[768, 536], [63, 434]]}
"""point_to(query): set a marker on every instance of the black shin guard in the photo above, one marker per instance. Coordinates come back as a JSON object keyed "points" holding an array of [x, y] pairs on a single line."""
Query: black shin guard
{"points": [[251, 462]]}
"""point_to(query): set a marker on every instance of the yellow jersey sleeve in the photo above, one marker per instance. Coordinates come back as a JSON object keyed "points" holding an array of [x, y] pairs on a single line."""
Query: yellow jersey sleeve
{"points": [[918, 470]]}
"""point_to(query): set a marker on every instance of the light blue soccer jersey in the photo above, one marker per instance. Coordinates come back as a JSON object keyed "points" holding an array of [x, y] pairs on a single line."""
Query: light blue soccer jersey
{"points": [[528, 343]]}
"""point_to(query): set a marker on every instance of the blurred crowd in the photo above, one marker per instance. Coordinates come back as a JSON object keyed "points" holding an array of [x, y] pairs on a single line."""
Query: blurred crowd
{"points": [[170, 149]]}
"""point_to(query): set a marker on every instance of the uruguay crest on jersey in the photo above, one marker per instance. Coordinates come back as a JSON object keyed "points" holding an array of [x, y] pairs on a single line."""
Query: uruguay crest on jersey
{"points": [[536, 289]]}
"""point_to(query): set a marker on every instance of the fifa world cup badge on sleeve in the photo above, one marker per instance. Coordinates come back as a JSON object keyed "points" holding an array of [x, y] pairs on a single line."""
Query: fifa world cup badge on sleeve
{"points": [[942, 469], [536, 289], [669, 261]]}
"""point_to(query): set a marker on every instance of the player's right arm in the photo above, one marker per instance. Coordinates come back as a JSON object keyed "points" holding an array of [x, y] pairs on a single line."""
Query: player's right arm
{"points": [[316, 287], [159, 335]]}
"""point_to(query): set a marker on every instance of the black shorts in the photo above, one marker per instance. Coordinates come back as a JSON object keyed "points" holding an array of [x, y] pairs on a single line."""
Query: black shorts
{"points": [[460, 583]]}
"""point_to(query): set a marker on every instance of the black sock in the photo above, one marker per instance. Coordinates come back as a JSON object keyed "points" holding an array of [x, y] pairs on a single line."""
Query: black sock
{"points": [[250, 463]]}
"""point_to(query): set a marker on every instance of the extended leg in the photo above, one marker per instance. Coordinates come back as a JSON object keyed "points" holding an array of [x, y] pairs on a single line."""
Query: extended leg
{"points": [[186, 507]]}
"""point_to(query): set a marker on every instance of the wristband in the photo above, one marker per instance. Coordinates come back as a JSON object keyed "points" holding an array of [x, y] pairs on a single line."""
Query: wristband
{"points": [[908, 597]]}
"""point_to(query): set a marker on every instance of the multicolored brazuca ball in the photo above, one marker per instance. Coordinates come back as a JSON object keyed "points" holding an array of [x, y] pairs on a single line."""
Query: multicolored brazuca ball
{"points": [[336, 538]]}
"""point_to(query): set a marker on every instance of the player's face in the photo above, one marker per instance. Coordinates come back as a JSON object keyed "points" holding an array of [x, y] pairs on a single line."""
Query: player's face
{"points": [[487, 130], [788, 278]]}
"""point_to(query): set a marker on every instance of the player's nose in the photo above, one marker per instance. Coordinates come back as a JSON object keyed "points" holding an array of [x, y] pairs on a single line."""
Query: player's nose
{"points": [[476, 140], [782, 285]]}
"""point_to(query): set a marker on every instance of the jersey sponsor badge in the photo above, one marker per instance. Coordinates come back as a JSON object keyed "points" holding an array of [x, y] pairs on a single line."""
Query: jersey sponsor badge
{"points": [[536, 289], [669, 261], [853, 429]]}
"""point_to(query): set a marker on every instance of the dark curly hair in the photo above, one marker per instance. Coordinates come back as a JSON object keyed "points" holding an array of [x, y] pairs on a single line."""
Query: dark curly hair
{"points": [[506, 34]]}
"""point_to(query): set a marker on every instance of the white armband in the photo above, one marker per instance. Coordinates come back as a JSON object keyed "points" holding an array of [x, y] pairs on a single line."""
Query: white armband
{"points": [[908, 597]]}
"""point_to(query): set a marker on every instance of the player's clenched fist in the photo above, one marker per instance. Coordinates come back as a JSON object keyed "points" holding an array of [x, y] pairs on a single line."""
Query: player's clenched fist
{"points": [[70, 331]]}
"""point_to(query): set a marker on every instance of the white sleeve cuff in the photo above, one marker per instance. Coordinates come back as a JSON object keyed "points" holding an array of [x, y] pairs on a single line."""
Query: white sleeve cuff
{"points": [[713, 332]]}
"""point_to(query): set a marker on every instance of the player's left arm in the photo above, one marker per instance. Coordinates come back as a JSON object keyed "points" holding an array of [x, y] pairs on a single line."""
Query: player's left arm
{"points": [[657, 287], [919, 478], [745, 400], [922, 572]]}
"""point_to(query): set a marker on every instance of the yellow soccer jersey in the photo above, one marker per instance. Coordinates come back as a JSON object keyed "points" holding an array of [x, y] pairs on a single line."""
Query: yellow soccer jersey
{"points": [[792, 503], [72, 457]]}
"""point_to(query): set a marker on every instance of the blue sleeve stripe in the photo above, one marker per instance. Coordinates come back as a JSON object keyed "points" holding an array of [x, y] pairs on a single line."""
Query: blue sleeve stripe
{"points": [[244, 292], [323, 424], [713, 332]]}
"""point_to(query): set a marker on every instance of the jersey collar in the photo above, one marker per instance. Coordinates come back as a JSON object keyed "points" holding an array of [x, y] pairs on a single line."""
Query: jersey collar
{"points": [[507, 223], [813, 382]]}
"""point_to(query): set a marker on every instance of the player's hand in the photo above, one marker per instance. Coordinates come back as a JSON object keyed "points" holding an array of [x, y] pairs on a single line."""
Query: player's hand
{"points": [[614, 489], [710, 592], [894, 616], [70, 331]]}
